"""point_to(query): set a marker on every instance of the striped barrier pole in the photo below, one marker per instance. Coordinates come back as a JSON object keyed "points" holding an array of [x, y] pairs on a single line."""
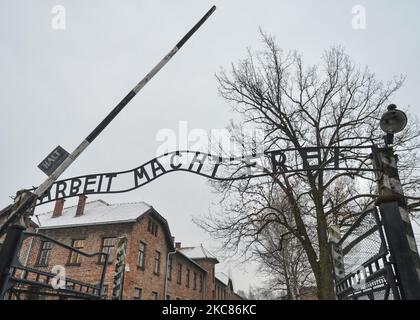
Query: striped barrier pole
{"points": [[397, 224]]}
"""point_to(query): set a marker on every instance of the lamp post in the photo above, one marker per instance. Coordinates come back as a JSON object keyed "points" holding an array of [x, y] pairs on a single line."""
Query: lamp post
{"points": [[393, 121], [394, 209]]}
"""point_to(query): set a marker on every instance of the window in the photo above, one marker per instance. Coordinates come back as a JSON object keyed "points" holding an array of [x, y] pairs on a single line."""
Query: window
{"points": [[44, 253], [107, 247], [137, 294], [179, 274], [105, 291], [141, 256], [74, 258], [157, 263], [188, 278], [154, 295], [152, 227], [201, 283], [195, 281], [170, 268]]}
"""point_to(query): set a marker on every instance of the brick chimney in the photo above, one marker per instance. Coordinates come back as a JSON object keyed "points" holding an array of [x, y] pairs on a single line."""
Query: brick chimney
{"points": [[81, 205], [58, 208], [178, 245]]}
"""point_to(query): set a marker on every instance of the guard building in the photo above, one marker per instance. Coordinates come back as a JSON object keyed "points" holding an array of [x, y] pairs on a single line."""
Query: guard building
{"points": [[156, 267]]}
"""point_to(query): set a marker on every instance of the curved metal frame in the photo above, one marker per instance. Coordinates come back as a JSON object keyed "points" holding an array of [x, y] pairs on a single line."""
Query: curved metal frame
{"points": [[219, 161]]}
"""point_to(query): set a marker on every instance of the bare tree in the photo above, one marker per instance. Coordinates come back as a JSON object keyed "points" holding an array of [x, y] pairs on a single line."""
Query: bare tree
{"points": [[333, 104], [255, 293], [284, 262]]}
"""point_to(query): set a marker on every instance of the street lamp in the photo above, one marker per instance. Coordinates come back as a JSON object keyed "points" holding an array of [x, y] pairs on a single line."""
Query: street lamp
{"points": [[392, 121]]}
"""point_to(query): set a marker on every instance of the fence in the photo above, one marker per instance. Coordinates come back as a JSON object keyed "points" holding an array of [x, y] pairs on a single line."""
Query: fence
{"points": [[368, 270], [44, 268]]}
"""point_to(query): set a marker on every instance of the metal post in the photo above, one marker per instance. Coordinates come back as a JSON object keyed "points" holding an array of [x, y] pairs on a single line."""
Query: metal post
{"points": [[119, 276], [167, 273], [8, 254], [101, 286], [397, 224], [336, 253]]}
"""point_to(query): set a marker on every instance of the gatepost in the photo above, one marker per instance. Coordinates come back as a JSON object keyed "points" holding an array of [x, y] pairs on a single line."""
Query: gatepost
{"points": [[118, 286], [397, 224]]}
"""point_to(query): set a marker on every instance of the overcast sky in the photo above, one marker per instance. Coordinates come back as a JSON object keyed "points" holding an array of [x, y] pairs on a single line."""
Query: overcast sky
{"points": [[56, 85]]}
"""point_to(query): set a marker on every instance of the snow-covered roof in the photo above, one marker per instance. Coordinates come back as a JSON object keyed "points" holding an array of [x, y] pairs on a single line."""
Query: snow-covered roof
{"points": [[179, 253], [95, 212], [197, 253], [223, 278]]}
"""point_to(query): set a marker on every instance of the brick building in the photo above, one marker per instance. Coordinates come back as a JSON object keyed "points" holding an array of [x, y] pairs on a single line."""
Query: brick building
{"points": [[156, 267]]}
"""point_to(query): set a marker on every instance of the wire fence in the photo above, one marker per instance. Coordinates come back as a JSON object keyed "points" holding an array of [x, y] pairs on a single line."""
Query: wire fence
{"points": [[369, 275], [45, 268]]}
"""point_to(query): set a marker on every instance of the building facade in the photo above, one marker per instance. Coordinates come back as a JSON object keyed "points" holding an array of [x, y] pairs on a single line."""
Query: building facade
{"points": [[156, 268]]}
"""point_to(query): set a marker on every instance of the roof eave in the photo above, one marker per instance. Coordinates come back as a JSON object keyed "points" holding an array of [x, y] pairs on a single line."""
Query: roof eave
{"points": [[207, 258], [191, 260], [86, 224]]}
